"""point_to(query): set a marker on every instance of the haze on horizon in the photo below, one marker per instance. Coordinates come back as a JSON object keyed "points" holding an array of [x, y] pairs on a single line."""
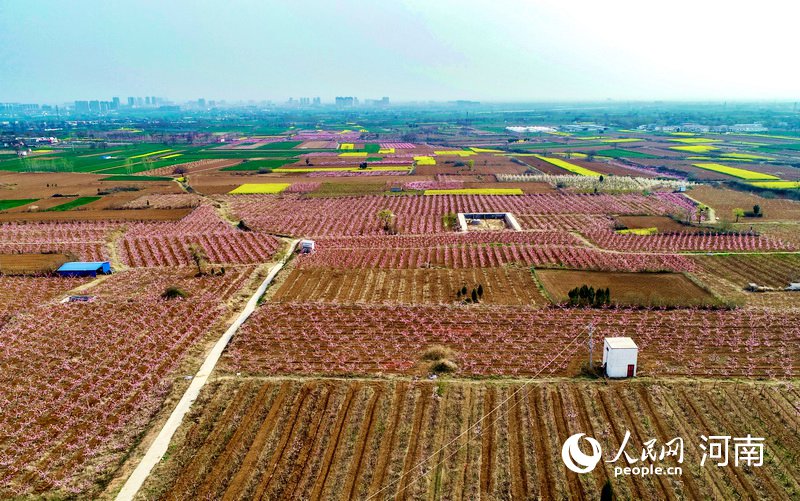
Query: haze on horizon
{"points": [[501, 50]]}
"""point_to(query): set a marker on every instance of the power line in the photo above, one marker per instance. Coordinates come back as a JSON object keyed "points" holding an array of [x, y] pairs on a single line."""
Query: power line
{"points": [[470, 428]]}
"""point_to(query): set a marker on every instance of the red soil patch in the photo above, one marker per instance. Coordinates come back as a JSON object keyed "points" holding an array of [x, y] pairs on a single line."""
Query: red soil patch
{"points": [[656, 289]]}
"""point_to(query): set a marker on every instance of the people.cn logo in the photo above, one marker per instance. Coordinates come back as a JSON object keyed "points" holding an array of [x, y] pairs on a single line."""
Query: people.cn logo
{"points": [[575, 459]]}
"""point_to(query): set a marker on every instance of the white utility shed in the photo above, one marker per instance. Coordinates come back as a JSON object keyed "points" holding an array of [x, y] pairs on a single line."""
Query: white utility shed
{"points": [[307, 246], [619, 357]]}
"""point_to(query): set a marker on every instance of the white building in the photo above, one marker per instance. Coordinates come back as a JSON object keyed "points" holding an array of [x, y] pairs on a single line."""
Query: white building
{"points": [[307, 246], [619, 357]]}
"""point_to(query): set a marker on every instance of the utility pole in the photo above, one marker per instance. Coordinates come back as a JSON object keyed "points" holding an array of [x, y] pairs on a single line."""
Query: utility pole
{"points": [[591, 346]]}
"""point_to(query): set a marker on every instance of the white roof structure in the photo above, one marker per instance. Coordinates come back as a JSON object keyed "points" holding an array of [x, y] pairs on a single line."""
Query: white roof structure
{"points": [[621, 343]]}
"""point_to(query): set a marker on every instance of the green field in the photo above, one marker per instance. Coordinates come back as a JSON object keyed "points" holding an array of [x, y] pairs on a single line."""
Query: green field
{"points": [[566, 146], [779, 147], [73, 203], [265, 163], [620, 153], [125, 159], [372, 147], [10, 204], [280, 145]]}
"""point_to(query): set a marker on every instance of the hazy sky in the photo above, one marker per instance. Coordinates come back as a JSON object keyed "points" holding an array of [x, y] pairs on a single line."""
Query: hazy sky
{"points": [[498, 50]]}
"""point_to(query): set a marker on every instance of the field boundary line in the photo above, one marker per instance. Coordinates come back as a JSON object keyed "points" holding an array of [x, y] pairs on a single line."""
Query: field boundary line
{"points": [[158, 448]]}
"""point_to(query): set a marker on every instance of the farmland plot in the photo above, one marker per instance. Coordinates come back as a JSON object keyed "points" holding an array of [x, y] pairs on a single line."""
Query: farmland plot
{"points": [[378, 439], [647, 289], [314, 338], [80, 381], [420, 214], [493, 255], [410, 286]]}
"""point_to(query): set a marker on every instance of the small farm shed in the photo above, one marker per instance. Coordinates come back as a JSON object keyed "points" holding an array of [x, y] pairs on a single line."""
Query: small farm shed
{"points": [[619, 357], [84, 268], [307, 246]]}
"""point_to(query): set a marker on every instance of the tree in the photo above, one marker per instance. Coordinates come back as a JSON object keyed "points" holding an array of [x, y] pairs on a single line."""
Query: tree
{"points": [[471, 164], [173, 292], [607, 493], [450, 220], [199, 257], [480, 290], [362, 165], [701, 210], [757, 210], [386, 217], [737, 213], [601, 178], [474, 296]]}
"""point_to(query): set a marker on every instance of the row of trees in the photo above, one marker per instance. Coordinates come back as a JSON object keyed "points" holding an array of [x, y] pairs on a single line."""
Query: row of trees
{"points": [[737, 213], [473, 296], [588, 296]]}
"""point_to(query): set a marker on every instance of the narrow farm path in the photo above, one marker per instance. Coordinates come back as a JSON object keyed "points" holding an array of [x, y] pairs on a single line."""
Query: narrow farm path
{"points": [[712, 214], [159, 446]]}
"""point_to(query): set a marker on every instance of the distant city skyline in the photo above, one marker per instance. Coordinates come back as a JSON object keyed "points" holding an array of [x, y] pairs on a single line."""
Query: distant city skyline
{"points": [[411, 50]]}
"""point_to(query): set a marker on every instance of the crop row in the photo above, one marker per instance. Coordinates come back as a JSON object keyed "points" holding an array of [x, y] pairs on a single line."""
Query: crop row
{"points": [[86, 251], [420, 214], [18, 292], [450, 238], [81, 380], [240, 248], [382, 439], [687, 242], [483, 255], [494, 340]]}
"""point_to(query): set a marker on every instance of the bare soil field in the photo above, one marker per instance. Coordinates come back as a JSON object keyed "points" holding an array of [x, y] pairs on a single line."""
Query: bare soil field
{"points": [[723, 201], [646, 289], [771, 270], [512, 286], [96, 215], [727, 276], [377, 439], [30, 264], [193, 167], [663, 223], [45, 185]]}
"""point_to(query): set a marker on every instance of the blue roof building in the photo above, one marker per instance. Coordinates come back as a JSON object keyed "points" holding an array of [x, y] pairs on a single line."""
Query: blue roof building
{"points": [[84, 268]]}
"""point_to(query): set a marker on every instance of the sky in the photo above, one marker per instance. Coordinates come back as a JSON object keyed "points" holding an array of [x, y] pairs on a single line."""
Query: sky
{"points": [[492, 51]]}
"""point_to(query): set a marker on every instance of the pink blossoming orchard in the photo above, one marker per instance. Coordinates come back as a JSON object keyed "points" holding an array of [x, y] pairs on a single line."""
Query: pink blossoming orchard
{"points": [[430, 340]]}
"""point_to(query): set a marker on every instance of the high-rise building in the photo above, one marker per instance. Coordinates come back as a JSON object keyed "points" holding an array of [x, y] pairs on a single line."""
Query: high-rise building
{"points": [[304, 101], [147, 100], [81, 106], [139, 102], [131, 102], [153, 100], [317, 101], [201, 103], [346, 101], [94, 106], [114, 103]]}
